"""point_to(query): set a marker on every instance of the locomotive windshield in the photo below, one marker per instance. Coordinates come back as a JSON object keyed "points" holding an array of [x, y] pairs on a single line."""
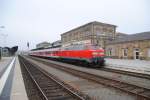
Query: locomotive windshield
{"points": [[92, 47]]}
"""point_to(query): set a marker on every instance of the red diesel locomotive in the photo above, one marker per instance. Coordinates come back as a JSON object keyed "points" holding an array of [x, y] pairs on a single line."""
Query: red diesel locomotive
{"points": [[87, 54]]}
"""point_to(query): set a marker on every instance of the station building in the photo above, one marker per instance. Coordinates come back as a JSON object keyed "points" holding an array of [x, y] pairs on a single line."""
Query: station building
{"points": [[135, 46], [94, 32]]}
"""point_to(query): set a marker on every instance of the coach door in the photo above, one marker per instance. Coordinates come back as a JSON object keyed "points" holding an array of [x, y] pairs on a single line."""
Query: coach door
{"points": [[136, 54]]}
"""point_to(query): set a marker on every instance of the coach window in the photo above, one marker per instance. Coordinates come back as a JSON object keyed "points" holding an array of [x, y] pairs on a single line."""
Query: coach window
{"points": [[49, 52], [46, 52]]}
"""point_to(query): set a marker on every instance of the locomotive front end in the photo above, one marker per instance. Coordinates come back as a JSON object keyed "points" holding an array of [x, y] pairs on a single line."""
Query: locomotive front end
{"points": [[98, 57]]}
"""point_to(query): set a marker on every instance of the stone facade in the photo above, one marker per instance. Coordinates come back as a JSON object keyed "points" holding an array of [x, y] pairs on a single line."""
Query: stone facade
{"points": [[130, 48], [94, 32]]}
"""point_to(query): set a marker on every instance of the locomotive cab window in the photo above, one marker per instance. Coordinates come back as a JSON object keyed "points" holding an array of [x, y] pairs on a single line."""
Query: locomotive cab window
{"points": [[93, 47]]}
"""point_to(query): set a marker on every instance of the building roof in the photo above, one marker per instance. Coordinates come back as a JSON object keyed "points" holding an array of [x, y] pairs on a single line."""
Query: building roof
{"points": [[133, 37], [43, 43], [94, 22], [121, 34], [57, 41]]}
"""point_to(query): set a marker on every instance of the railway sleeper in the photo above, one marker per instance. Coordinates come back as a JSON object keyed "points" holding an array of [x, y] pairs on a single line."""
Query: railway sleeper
{"points": [[49, 86], [68, 97], [146, 93], [130, 88], [56, 94], [47, 83], [138, 91], [52, 91]]}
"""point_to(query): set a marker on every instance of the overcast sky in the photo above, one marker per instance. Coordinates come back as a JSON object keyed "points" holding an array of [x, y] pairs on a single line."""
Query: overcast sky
{"points": [[44, 20]]}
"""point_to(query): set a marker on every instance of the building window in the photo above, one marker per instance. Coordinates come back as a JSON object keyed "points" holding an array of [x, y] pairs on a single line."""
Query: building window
{"points": [[136, 53], [125, 52], [110, 52]]}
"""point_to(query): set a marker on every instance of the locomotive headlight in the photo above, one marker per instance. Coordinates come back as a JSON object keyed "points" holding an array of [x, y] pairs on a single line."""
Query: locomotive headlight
{"points": [[101, 53], [95, 53]]}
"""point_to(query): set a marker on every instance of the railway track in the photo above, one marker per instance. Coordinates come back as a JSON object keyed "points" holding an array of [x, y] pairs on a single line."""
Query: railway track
{"points": [[48, 87], [129, 73], [135, 74], [31, 89], [140, 92]]}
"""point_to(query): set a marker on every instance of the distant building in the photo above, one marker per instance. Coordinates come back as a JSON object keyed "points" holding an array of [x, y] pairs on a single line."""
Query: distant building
{"points": [[135, 46], [5, 52], [56, 43], [43, 45], [94, 32]]}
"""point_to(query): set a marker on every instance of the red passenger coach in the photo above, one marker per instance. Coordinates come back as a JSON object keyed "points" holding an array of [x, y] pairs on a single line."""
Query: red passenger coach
{"points": [[87, 54]]}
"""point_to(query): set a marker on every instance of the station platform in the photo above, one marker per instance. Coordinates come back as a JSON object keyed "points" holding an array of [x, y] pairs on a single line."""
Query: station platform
{"points": [[139, 66], [4, 62], [11, 81]]}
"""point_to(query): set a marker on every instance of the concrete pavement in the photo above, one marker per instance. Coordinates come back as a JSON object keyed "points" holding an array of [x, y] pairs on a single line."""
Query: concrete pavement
{"points": [[140, 66]]}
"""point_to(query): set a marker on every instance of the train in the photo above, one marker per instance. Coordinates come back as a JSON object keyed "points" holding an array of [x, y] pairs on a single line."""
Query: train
{"points": [[88, 54]]}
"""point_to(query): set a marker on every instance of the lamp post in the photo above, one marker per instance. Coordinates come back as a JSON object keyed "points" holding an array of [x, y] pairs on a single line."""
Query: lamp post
{"points": [[4, 36], [1, 34], [0, 46]]}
